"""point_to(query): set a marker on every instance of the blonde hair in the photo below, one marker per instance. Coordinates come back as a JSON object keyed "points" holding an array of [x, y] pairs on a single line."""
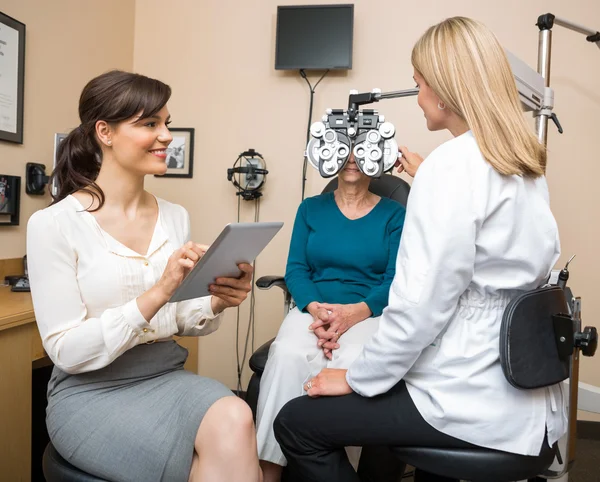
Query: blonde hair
{"points": [[465, 65]]}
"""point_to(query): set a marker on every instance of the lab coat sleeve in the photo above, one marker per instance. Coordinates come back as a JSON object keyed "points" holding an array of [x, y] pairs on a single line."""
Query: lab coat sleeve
{"points": [[434, 267]]}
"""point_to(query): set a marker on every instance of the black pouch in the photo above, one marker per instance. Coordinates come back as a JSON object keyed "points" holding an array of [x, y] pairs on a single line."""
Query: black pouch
{"points": [[536, 339]]}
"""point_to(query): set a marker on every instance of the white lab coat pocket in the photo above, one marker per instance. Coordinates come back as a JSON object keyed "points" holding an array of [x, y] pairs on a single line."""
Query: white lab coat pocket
{"points": [[410, 280]]}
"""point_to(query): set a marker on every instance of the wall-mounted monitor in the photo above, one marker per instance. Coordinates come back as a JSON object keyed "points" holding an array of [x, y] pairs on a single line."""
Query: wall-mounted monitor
{"points": [[314, 37]]}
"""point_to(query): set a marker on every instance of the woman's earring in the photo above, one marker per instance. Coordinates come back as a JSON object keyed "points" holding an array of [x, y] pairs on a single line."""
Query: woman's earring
{"points": [[441, 105], [109, 142]]}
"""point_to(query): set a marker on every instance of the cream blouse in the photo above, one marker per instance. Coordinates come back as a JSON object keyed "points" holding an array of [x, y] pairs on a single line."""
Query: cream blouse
{"points": [[84, 285]]}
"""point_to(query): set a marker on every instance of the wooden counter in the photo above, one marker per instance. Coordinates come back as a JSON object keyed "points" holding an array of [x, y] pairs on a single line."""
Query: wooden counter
{"points": [[20, 345], [15, 308]]}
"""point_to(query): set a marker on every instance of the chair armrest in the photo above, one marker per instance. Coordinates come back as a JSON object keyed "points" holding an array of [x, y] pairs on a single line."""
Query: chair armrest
{"points": [[267, 282], [258, 360]]}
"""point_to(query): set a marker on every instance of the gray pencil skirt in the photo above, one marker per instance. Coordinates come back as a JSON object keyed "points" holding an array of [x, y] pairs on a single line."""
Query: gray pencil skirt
{"points": [[135, 420]]}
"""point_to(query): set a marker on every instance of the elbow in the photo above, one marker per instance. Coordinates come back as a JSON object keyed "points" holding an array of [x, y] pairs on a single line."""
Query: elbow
{"points": [[65, 367], [73, 365], [77, 368], [71, 370], [209, 326]]}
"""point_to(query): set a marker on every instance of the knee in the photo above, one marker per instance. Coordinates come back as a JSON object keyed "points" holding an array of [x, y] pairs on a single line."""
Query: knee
{"points": [[287, 425], [228, 424], [236, 416]]}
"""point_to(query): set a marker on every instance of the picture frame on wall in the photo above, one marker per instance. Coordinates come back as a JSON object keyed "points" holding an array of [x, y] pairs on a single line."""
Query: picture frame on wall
{"points": [[10, 193], [180, 153], [12, 78]]}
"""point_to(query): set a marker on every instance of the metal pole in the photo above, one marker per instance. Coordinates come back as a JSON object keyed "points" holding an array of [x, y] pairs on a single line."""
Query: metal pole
{"points": [[397, 93], [544, 52], [574, 26]]}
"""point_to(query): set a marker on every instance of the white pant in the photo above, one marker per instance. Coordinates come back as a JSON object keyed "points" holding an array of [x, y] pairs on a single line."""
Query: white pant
{"points": [[294, 358]]}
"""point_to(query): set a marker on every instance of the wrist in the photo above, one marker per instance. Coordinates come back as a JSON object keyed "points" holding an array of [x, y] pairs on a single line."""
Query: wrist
{"points": [[217, 305], [312, 307], [159, 295], [361, 312]]}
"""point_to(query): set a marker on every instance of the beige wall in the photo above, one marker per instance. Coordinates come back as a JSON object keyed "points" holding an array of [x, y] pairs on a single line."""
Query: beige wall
{"points": [[67, 43], [218, 56]]}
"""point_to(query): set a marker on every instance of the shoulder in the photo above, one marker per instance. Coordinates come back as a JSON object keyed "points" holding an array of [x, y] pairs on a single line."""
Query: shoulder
{"points": [[64, 211], [460, 151], [456, 163], [171, 211], [175, 219], [394, 212], [58, 223], [316, 202], [391, 206]]}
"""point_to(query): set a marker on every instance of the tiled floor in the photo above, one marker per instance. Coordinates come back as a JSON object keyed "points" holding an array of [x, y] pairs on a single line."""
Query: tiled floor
{"points": [[587, 462]]}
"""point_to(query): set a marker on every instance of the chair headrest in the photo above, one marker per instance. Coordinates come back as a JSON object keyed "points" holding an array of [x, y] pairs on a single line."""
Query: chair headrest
{"points": [[388, 186]]}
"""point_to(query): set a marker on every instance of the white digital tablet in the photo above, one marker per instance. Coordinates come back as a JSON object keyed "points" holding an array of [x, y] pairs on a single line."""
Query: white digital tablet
{"points": [[237, 243]]}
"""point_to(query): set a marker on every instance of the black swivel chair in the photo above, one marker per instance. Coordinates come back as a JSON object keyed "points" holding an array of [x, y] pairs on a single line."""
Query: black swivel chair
{"points": [[476, 465]]}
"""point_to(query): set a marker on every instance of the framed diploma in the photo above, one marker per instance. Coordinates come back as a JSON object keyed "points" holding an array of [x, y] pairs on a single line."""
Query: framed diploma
{"points": [[12, 78]]}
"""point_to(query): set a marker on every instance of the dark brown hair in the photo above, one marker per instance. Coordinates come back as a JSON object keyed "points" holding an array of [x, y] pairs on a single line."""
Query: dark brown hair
{"points": [[111, 97]]}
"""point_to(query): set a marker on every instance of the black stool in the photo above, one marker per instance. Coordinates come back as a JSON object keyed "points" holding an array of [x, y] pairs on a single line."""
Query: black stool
{"points": [[57, 469], [477, 465]]}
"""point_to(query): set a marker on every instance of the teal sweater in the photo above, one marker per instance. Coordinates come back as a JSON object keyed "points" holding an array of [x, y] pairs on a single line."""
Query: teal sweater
{"points": [[333, 259]]}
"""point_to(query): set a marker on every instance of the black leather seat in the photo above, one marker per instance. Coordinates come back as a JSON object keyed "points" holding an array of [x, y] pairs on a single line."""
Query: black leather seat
{"points": [[476, 465], [57, 469]]}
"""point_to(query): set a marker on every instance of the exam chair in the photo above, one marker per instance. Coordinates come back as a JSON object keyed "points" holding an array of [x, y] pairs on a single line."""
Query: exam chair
{"points": [[387, 186]]}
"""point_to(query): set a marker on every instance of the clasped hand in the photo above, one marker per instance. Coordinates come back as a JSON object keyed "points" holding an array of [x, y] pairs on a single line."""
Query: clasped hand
{"points": [[226, 292], [331, 321]]}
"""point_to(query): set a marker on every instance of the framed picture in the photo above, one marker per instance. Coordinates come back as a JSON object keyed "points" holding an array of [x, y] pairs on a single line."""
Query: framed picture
{"points": [[180, 153], [10, 193], [58, 138], [12, 78]]}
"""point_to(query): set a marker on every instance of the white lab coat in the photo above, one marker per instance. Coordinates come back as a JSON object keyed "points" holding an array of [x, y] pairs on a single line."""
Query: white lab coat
{"points": [[472, 240]]}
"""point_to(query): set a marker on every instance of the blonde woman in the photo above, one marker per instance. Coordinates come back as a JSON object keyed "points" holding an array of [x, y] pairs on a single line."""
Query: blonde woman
{"points": [[478, 231]]}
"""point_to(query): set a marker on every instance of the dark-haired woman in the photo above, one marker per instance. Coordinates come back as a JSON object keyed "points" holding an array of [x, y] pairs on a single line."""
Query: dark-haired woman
{"points": [[104, 259]]}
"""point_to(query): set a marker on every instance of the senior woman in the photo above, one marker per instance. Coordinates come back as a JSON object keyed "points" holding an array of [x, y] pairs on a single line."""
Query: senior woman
{"points": [[340, 266]]}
